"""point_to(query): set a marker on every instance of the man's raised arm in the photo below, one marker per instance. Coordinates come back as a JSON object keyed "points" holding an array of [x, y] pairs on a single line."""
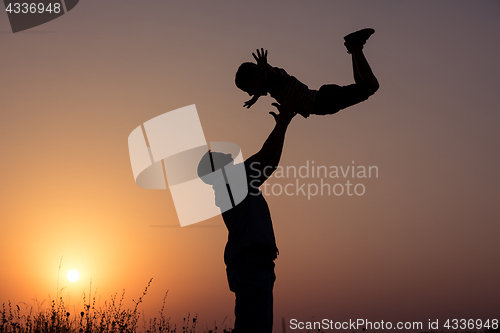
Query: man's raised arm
{"points": [[267, 159]]}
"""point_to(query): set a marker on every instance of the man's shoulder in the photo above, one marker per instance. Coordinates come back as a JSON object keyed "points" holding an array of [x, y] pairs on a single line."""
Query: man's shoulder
{"points": [[249, 164], [253, 173]]}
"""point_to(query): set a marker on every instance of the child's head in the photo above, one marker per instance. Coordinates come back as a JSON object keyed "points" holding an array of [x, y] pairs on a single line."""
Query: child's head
{"points": [[251, 79]]}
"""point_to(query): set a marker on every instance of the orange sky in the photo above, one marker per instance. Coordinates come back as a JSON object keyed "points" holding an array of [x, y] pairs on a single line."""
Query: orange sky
{"points": [[421, 243]]}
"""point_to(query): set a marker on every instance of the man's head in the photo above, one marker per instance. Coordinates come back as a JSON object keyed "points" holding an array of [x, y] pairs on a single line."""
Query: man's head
{"points": [[210, 162], [251, 79]]}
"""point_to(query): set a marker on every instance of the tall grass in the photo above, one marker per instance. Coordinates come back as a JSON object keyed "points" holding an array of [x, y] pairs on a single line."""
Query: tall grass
{"points": [[110, 318]]}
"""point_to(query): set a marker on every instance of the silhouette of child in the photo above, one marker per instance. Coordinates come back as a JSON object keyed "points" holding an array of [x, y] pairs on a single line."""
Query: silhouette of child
{"points": [[261, 78]]}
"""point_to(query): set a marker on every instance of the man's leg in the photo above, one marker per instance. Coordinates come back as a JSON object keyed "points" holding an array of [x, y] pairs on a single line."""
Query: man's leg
{"points": [[254, 297], [254, 306]]}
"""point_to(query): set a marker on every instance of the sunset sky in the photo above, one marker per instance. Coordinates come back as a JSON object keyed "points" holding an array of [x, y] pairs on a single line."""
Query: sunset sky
{"points": [[423, 242]]}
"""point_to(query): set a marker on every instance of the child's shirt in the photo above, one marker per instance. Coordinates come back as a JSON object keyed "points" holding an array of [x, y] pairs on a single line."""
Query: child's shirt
{"points": [[283, 86]]}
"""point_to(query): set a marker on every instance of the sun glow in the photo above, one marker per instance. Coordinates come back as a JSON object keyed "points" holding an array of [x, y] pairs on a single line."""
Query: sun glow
{"points": [[73, 276]]}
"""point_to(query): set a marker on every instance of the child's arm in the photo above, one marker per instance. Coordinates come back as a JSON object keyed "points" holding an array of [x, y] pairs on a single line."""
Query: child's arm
{"points": [[251, 102], [261, 59]]}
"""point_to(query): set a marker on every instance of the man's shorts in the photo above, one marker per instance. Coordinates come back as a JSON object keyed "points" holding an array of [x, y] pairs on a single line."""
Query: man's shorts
{"points": [[257, 260]]}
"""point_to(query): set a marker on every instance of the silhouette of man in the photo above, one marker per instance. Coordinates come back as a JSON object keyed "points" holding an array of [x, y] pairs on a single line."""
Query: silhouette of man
{"points": [[251, 247]]}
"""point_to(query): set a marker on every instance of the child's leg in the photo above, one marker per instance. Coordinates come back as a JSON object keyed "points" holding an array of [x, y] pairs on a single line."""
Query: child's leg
{"points": [[355, 72], [332, 98], [362, 71], [354, 43]]}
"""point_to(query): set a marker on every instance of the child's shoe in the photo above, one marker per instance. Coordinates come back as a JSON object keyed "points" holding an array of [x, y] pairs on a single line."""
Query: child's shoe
{"points": [[357, 39]]}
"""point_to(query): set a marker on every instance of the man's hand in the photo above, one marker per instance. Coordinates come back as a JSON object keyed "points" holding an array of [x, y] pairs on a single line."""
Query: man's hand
{"points": [[251, 102], [261, 58], [287, 111]]}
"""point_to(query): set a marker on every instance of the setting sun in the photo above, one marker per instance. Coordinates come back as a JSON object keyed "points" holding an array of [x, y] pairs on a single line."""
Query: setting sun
{"points": [[73, 276]]}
